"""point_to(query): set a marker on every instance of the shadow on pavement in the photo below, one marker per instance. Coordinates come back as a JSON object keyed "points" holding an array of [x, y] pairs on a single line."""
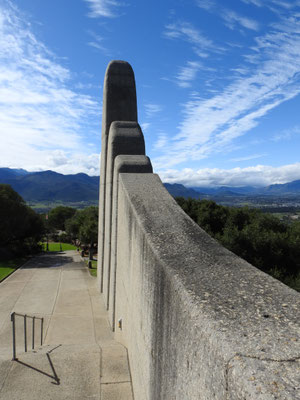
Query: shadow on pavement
{"points": [[54, 376], [54, 260]]}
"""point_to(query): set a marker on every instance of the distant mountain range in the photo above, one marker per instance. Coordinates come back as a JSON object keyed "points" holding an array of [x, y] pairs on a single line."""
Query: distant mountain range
{"points": [[286, 189], [52, 186]]}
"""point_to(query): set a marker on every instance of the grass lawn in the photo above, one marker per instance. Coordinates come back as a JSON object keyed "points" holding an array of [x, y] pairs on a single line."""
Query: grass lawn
{"points": [[7, 267], [56, 246], [93, 270]]}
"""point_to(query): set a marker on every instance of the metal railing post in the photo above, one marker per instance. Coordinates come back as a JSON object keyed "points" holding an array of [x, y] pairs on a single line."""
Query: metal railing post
{"points": [[25, 316], [33, 322], [42, 330], [13, 320], [25, 332]]}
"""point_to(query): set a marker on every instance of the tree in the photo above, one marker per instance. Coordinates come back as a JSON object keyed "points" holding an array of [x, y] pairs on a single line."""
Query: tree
{"points": [[21, 228], [59, 215], [260, 238], [84, 226]]}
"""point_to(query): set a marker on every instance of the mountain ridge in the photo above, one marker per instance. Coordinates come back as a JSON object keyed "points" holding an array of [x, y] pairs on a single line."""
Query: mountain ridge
{"points": [[53, 186]]}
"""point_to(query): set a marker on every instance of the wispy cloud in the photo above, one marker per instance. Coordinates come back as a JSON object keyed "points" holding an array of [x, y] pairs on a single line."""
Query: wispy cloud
{"points": [[206, 4], [248, 158], [232, 19], [259, 175], [161, 141], [103, 8], [286, 134], [40, 111], [274, 5], [187, 32], [210, 125], [145, 126], [187, 74], [257, 3], [67, 163], [97, 42], [152, 109]]}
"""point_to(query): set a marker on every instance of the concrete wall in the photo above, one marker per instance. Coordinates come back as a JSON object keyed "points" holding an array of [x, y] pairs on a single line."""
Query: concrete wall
{"points": [[198, 321]]}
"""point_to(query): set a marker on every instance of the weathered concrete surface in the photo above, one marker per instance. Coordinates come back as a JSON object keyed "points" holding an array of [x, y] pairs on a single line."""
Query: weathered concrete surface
{"points": [[129, 164], [119, 104], [199, 322], [75, 361], [124, 138]]}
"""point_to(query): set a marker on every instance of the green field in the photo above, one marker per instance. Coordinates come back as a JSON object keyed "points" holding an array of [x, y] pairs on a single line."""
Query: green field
{"points": [[58, 246], [44, 207], [7, 267]]}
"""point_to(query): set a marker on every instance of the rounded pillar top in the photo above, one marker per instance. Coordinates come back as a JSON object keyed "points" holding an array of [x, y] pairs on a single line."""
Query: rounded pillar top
{"points": [[119, 94], [117, 67]]}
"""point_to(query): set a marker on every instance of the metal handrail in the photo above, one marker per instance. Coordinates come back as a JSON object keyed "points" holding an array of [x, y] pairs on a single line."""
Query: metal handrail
{"points": [[25, 316]]}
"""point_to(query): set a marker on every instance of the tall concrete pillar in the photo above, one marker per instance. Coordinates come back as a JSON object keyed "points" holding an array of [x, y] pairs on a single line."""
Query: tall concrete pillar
{"points": [[123, 164], [119, 104], [125, 137]]}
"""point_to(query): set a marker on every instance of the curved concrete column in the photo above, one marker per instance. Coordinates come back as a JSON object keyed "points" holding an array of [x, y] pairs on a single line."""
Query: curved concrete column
{"points": [[119, 104], [124, 137], [123, 164]]}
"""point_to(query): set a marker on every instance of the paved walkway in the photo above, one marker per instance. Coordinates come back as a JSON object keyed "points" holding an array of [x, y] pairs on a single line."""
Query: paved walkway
{"points": [[79, 359]]}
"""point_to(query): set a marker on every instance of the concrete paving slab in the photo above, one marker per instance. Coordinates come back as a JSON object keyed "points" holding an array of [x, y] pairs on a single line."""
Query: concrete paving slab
{"points": [[4, 315], [20, 275], [75, 273], [5, 366], [45, 274], [37, 297], [76, 332], [70, 330], [74, 302], [73, 284], [9, 295], [103, 333], [115, 366], [63, 373], [116, 391]]}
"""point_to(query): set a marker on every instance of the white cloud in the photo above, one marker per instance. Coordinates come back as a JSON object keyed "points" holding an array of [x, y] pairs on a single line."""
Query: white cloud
{"points": [[248, 158], [232, 19], [68, 163], [187, 74], [97, 42], [287, 134], [102, 8], [274, 5], [259, 175], [206, 4], [210, 125], [257, 3], [187, 32], [145, 126], [152, 109], [40, 111], [162, 141]]}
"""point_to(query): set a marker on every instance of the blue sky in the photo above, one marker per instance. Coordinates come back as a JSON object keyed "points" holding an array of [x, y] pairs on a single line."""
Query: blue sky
{"points": [[218, 86]]}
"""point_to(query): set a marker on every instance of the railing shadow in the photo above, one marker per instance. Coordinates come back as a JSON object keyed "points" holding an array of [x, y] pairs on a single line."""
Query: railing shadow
{"points": [[54, 376]]}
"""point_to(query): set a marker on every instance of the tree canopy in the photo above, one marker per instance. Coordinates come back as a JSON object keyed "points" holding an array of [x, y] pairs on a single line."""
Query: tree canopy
{"points": [[59, 215], [260, 238], [21, 228], [84, 225]]}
